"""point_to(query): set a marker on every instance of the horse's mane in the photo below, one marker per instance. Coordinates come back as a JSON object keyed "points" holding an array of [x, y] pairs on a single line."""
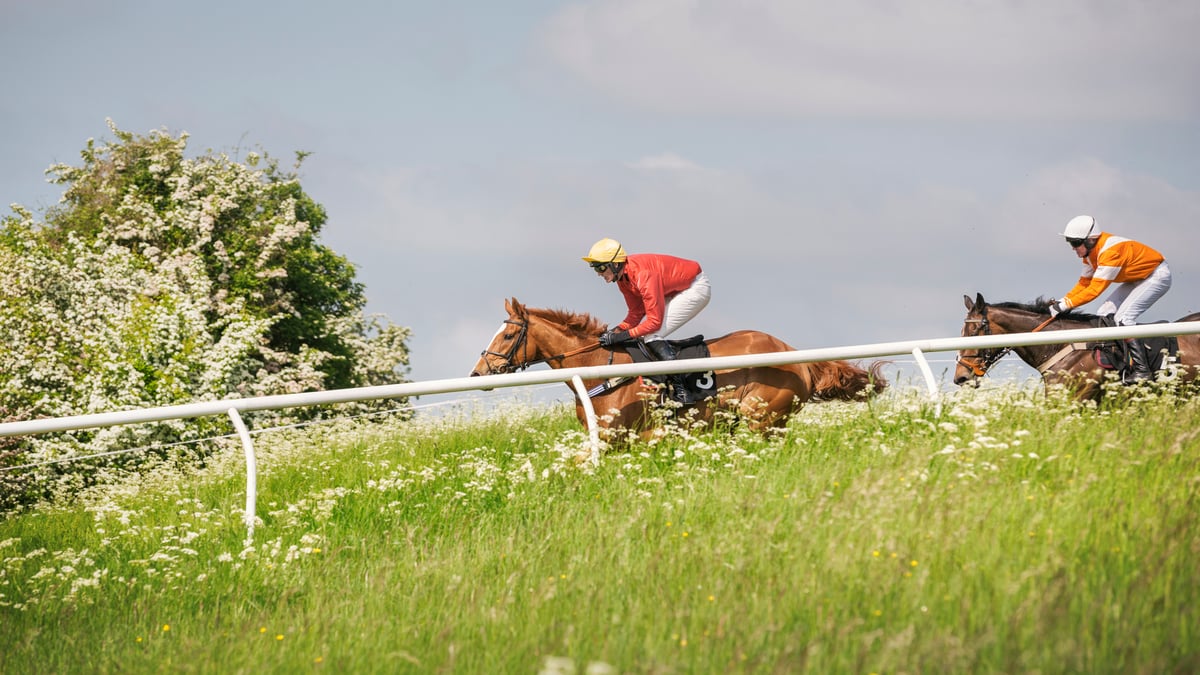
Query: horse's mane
{"points": [[580, 323], [1041, 306]]}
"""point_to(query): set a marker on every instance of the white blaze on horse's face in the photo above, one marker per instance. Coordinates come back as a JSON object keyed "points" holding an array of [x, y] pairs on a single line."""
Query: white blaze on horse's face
{"points": [[482, 366]]}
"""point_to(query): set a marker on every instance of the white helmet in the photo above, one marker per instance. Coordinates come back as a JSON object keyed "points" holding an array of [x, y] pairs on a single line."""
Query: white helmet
{"points": [[1080, 227]]}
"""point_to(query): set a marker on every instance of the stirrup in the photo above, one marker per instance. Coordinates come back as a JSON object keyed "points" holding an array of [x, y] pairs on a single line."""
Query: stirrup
{"points": [[681, 394], [1134, 377], [686, 399]]}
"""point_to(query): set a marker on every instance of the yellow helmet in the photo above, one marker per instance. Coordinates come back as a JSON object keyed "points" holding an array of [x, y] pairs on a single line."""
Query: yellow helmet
{"points": [[606, 251]]}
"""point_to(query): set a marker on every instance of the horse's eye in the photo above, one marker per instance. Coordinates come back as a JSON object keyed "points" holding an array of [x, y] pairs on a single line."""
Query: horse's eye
{"points": [[509, 336]]}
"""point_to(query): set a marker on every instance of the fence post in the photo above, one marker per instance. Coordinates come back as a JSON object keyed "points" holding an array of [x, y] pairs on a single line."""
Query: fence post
{"points": [[590, 411], [251, 471], [930, 383]]}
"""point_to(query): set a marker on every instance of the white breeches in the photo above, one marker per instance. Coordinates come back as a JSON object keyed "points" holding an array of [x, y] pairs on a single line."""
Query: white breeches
{"points": [[683, 307], [1130, 300]]}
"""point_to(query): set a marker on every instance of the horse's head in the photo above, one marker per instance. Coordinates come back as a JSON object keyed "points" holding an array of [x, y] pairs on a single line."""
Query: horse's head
{"points": [[509, 350], [531, 336], [1002, 318], [973, 364]]}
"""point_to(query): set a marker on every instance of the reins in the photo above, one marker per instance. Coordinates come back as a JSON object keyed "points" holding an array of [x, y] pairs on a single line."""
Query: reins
{"points": [[517, 344], [521, 344], [566, 355]]}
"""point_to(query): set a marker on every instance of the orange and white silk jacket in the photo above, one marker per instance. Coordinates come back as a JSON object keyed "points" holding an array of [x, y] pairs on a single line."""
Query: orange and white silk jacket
{"points": [[1112, 259]]}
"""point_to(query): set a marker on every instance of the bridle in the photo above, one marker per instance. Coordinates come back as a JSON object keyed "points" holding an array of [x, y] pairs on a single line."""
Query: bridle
{"points": [[518, 344], [521, 344], [982, 364]]}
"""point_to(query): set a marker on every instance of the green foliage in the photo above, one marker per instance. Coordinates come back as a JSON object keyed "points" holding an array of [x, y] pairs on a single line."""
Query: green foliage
{"points": [[1014, 533], [163, 279]]}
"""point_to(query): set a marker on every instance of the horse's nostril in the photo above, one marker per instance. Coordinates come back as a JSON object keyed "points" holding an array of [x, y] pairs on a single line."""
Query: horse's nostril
{"points": [[474, 374]]}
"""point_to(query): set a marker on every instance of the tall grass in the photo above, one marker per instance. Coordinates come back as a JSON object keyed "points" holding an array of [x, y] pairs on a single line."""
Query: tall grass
{"points": [[1014, 533]]}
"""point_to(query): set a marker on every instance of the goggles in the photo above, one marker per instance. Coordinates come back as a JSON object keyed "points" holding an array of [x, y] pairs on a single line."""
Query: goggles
{"points": [[600, 268], [1075, 243]]}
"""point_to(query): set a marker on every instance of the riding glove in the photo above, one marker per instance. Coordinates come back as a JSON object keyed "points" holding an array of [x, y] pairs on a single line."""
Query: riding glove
{"points": [[1056, 307], [612, 338]]}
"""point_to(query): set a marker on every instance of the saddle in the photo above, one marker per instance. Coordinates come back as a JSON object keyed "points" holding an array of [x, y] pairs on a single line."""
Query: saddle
{"points": [[702, 384], [1114, 354]]}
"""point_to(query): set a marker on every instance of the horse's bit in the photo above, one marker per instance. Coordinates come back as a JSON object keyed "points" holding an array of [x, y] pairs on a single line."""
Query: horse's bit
{"points": [[519, 343], [522, 344], [981, 364]]}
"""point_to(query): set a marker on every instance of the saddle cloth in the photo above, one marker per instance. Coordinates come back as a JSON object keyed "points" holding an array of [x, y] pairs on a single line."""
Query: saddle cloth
{"points": [[1113, 355], [702, 384]]}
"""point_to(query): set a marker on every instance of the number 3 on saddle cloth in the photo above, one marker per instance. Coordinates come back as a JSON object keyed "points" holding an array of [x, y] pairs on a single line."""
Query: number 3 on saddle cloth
{"points": [[702, 384]]}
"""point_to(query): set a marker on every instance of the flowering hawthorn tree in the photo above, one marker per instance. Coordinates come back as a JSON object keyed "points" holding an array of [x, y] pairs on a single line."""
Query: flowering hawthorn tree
{"points": [[160, 279]]}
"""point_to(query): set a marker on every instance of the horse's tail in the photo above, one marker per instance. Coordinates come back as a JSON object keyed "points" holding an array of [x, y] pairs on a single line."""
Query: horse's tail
{"points": [[845, 381]]}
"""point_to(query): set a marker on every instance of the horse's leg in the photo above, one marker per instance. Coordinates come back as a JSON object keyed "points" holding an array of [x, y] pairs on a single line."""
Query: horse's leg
{"points": [[619, 412], [1188, 358], [1083, 383], [739, 400], [761, 407], [581, 413], [1089, 390], [770, 396]]}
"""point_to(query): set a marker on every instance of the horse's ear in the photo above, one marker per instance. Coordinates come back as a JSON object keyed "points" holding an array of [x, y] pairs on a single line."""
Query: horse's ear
{"points": [[979, 301], [514, 307], [967, 301]]}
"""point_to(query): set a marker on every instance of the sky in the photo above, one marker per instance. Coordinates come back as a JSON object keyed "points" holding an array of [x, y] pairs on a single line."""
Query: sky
{"points": [[844, 172]]}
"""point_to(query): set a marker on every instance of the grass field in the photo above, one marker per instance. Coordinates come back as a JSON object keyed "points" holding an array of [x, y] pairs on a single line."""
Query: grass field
{"points": [[1013, 533]]}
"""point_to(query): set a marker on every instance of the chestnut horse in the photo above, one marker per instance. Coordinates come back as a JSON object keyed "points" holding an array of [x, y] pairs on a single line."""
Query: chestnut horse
{"points": [[763, 396], [1071, 365]]}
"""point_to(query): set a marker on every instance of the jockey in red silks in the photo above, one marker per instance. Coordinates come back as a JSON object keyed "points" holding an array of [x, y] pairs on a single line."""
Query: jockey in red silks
{"points": [[662, 293]]}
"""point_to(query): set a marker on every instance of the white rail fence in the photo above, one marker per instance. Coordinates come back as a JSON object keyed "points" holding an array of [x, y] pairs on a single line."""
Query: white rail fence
{"points": [[575, 376]]}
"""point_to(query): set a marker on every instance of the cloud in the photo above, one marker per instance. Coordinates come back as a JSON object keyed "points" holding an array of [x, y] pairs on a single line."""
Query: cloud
{"points": [[666, 161], [665, 202], [818, 263], [1133, 204], [940, 59]]}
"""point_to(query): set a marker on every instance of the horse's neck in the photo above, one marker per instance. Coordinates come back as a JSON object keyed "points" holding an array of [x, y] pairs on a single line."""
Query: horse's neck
{"points": [[595, 357], [1036, 355], [1015, 322], [555, 340], [1033, 355]]}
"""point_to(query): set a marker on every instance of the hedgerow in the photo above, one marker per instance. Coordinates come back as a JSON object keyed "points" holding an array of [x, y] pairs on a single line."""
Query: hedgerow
{"points": [[161, 279]]}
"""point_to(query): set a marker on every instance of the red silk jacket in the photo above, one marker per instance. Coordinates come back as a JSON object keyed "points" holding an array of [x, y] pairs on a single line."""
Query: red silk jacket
{"points": [[649, 281]]}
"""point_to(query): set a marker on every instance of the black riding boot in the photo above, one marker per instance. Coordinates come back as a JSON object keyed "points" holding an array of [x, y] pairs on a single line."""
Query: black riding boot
{"points": [[679, 390], [1139, 361]]}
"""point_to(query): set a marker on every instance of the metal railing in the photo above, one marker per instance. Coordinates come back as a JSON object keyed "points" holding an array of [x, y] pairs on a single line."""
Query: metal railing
{"points": [[575, 376]]}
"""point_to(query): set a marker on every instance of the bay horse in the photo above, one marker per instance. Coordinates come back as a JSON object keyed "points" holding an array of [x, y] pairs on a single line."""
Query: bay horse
{"points": [[763, 397], [1071, 365]]}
